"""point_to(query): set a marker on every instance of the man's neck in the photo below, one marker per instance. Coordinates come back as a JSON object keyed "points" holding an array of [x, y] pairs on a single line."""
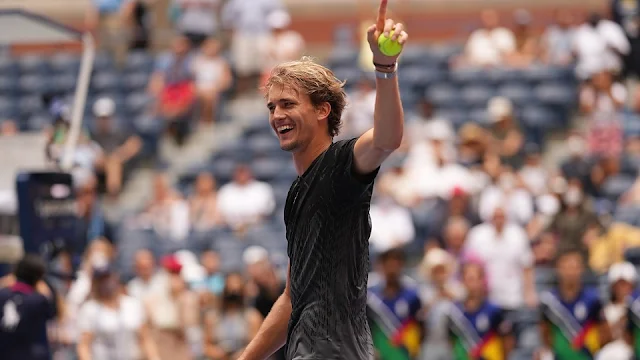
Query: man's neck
{"points": [[473, 303], [569, 292], [391, 290], [302, 159]]}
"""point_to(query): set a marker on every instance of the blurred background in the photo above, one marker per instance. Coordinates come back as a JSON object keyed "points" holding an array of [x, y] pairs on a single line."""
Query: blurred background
{"points": [[522, 144]]}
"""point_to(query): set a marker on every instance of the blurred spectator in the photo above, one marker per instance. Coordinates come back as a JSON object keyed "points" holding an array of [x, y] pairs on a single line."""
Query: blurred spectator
{"points": [[526, 43], [602, 95], [507, 136], [394, 310], [626, 14], [430, 144], [198, 19], [607, 166], [391, 224], [508, 191], [478, 320], [105, 17], [203, 207], [172, 87], [448, 211], [148, 280], [245, 201], [138, 16], [557, 40], [118, 147], [439, 291], [358, 116], [576, 166], [473, 144], [504, 248], [230, 329], [213, 77], [572, 318], [599, 45], [250, 31], [575, 226], [398, 183], [86, 154], [621, 281], [491, 44], [8, 128], [285, 44], [112, 325], [533, 173], [26, 304], [92, 223], [213, 282], [167, 213], [173, 314], [419, 125]]}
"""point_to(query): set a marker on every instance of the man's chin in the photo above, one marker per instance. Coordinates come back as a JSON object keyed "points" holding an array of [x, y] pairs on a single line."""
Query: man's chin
{"points": [[289, 146]]}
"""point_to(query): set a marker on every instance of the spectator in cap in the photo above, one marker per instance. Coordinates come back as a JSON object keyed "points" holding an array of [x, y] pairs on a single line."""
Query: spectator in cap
{"points": [[148, 280], [285, 44], [112, 325], [622, 278], [118, 147], [27, 304], [507, 137], [173, 315], [526, 43]]}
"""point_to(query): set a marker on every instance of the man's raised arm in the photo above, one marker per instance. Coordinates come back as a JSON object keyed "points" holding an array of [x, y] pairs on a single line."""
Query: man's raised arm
{"points": [[273, 332], [374, 146]]}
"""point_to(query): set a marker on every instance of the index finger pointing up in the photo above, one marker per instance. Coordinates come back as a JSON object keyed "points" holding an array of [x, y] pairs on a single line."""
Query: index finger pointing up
{"points": [[382, 15]]}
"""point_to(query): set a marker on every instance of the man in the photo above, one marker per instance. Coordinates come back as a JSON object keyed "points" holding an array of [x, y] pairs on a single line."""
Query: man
{"points": [[478, 328], [26, 306], [573, 326], [394, 307], [327, 209]]}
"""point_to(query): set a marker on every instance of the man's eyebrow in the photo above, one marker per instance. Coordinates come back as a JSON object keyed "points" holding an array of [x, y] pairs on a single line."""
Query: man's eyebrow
{"points": [[271, 103]]}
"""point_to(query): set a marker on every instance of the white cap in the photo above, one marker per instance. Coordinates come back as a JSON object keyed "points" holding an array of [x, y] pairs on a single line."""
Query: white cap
{"points": [[548, 204], [104, 107], [622, 271], [435, 257], [254, 254], [499, 107], [439, 130], [193, 273], [186, 257], [279, 19]]}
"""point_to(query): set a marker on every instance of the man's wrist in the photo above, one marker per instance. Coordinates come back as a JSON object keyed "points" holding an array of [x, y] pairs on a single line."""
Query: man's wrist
{"points": [[385, 68]]}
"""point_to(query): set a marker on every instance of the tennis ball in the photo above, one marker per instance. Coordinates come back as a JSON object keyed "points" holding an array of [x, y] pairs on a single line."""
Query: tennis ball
{"points": [[388, 46]]}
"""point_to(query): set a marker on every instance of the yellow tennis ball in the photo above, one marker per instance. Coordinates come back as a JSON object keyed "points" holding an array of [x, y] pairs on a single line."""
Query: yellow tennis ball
{"points": [[387, 46]]}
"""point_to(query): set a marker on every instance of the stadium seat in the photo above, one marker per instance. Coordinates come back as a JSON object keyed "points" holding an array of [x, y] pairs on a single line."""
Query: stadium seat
{"points": [[33, 84], [280, 191], [414, 55], [349, 73], [617, 185], [418, 78], [137, 102], [538, 73], [267, 169], [504, 75], [39, 121], [520, 94], [263, 145], [135, 81], [342, 57], [540, 117], [259, 125], [457, 117], [8, 108], [545, 278], [102, 62], [63, 83], [106, 81], [7, 66], [476, 95], [627, 214], [65, 64], [139, 61], [469, 76], [344, 35], [557, 94], [32, 64], [230, 250], [480, 116], [223, 170], [443, 95], [8, 85], [632, 255], [29, 105]]}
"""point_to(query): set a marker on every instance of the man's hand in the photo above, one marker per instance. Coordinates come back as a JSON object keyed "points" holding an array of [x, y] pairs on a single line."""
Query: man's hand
{"points": [[385, 26]]}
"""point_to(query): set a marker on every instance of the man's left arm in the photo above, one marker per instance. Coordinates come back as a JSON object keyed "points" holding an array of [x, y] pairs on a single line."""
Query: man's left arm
{"points": [[375, 145]]}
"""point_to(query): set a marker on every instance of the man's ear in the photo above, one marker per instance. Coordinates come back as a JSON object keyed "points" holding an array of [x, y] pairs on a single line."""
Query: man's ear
{"points": [[323, 110]]}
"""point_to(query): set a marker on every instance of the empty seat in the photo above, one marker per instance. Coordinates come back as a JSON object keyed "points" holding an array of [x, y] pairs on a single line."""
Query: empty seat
{"points": [[263, 145], [63, 82], [519, 94], [469, 76], [64, 63], [103, 61], [33, 84], [223, 170], [351, 74], [417, 77], [343, 57], [8, 108], [476, 95], [504, 75], [479, 115], [32, 64], [443, 95], [39, 121], [139, 61], [135, 81], [267, 169], [105, 81], [29, 105], [556, 94], [414, 55], [540, 117], [632, 255], [542, 73], [137, 102], [7, 65], [8, 85]]}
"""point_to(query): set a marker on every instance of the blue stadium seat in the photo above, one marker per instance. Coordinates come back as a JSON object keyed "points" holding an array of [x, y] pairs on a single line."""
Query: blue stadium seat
{"points": [[267, 169], [135, 81], [342, 57], [29, 105], [476, 95], [542, 73], [344, 35], [414, 55], [504, 75], [443, 53], [259, 125], [280, 191], [632, 255], [479, 115], [7, 66], [457, 117], [556, 94], [138, 61], [8, 85], [417, 78], [223, 170], [230, 250], [33, 64], [136, 103], [628, 214], [617, 185], [64, 82], [630, 165], [39, 121], [106, 81], [34, 84], [8, 108], [469, 76], [443, 95], [65, 63], [102, 62], [263, 145], [520, 94], [545, 278], [349, 73], [540, 117]]}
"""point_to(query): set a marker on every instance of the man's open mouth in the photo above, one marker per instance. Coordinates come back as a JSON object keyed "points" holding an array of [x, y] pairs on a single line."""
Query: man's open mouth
{"points": [[284, 129]]}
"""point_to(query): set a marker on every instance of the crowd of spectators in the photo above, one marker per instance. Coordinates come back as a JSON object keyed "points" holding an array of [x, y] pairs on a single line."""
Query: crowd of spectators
{"points": [[476, 213]]}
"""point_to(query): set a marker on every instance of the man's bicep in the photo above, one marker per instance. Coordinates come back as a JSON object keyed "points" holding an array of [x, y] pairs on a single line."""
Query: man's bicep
{"points": [[366, 156]]}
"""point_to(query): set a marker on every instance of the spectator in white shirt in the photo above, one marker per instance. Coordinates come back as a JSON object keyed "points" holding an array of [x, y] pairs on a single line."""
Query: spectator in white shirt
{"points": [[285, 44], [147, 281], [602, 95], [491, 44], [245, 201], [506, 192], [599, 45], [557, 40], [168, 212], [212, 77], [504, 248], [391, 224]]}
